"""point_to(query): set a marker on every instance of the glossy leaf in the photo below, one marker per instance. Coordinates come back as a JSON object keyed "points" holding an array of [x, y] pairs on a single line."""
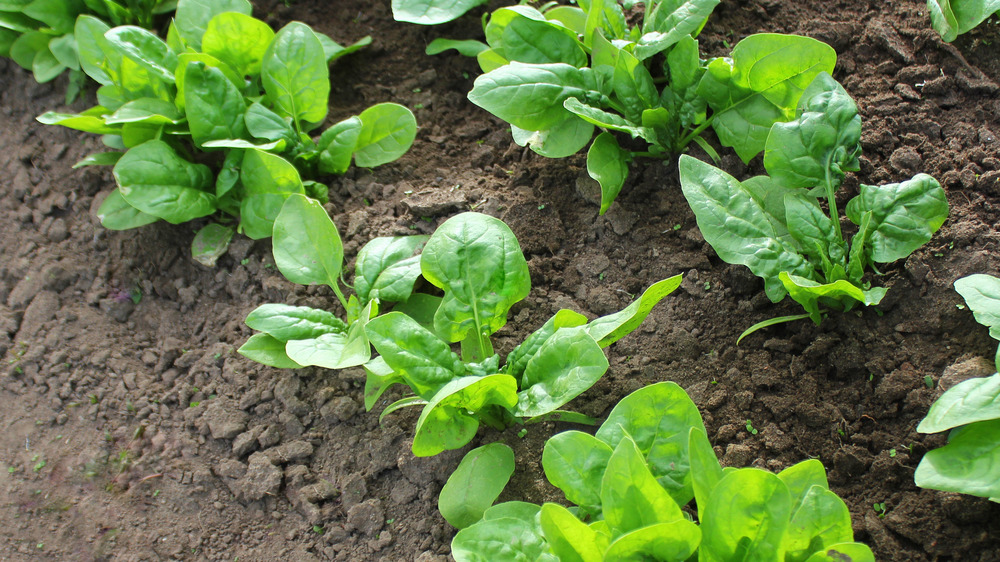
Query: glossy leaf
{"points": [[335, 350], [569, 538], [822, 520], [145, 49], [295, 76], [747, 517], [90, 121], [982, 294], [446, 422], [307, 246], [675, 541], [801, 477], [239, 40], [337, 145], [631, 498], [502, 538], [808, 293], [974, 400], [575, 463], [608, 164], [613, 327], [154, 179], [475, 484], [387, 132], [431, 12], [567, 364], [519, 357], [213, 105], [558, 141], [285, 322], [969, 463], [951, 18], [386, 268], [115, 213], [267, 350], [193, 16], [268, 180], [419, 356]]}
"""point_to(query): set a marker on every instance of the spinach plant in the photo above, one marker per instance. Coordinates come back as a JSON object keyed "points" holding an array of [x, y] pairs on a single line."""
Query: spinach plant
{"points": [[477, 263], [217, 118], [559, 75], [38, 34], [951, 18], [971, 411], [629, 482], [308, 250], [776, 226], [431, 12]]}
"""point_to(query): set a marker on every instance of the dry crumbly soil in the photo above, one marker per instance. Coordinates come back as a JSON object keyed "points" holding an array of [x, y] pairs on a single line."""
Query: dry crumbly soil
{"points": [[133, 431]]}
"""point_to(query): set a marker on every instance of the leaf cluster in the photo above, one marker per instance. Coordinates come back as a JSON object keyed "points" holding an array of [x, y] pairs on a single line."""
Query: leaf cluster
{"points": [[218, 118], [38, 34], [970, 410], [776, 225], [629, 482], [951, 18], [558, 76]]}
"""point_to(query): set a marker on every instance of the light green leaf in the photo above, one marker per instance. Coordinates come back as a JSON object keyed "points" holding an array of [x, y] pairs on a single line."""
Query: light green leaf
{"points": [[631, 498], [853, 551], [967, 464], [307, 246], [151, 111], [210, 243], [808, 293], [821, 521], [99, 159], [982, 294], [502, 538], [335, 350], [608, 164], [337, 145], [90, 121], [747, 517], [267, 350], [193, 16], [145, 49], [154, 179], [569, 538], [475, 484], [519, 357], [239, 40], [116, 214], [431, 12], [295, 76], [613, 327], [417, 354], [467, 47], [974, 400], [575, 462], [386, 268], [677, 540], [559, 141], [448, 420], [568, 363], [285, 322], [268, 180], [387, 132]]}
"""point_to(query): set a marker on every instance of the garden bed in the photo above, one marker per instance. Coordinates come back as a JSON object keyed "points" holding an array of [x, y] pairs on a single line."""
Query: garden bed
{"points": [[129, 420]]}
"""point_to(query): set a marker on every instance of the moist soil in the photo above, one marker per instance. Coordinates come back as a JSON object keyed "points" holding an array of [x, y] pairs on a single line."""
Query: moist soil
{"points": [[131, 430]]}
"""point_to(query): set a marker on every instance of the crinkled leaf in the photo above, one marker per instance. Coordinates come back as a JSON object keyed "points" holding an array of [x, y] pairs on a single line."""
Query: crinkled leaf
{"points": [[268, 180], [154, 179], [518, 358], [575, 462], [285, 322], [417, 354], [335, 350], [295, 76], [669, 22], [568, 363], [904, 216], [747, 517], [386, 269], [448, 420], [808, 293], [239, 40], [502, 538]]}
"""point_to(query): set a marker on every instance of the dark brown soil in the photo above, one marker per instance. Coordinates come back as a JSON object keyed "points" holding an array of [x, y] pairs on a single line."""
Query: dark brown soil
{"points": [[133, 431]]}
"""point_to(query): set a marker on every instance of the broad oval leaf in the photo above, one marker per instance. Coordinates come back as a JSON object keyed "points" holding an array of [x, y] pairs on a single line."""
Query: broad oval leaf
{"points": [[982, 294], [267, 350], [116, 214], [154, 179], [558, 141], [820, 520], [567, 364], [386, 268], [475, 484], [335, 350], [285, 322], [192, 17], [239, 40], [295, 76], [608, 164], [145, 49], [448, 421], [676, 540], [575, 462], [210, 243], [478, 263], [967, 464], [337, 145], [519, 357], [631, 498], [387, 132], [416, 353], [431, 12], [213, 104], [569, 538], [503, 538], [974, 400], [268, 180], [307, 246], [747, 516]]}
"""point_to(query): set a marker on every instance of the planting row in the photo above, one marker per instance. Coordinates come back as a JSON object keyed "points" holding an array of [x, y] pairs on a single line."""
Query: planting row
{"points": [[221, 119]]}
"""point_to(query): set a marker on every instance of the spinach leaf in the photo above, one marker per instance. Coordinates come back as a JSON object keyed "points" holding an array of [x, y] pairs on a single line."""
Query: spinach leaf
{"points": [[951, 18], [476, 484], [431, 12]]}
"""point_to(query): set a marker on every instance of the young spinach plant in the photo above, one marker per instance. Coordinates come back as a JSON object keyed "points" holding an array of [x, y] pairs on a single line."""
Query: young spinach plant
{"points": [[629, 482], [970, 410], [477, 263], [559, 75], [308, 250], [776, 226], [38, 34], [217, 118], [951, 18]]}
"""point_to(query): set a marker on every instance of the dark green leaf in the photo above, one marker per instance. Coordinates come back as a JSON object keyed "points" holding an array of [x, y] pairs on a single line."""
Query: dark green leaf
{"points": [[295, 76], [154, 179]]}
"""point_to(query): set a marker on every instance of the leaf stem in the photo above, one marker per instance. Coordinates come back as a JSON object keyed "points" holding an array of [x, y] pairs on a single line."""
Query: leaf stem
{"points": [[340, 295], [832, 200], [696, 132]]}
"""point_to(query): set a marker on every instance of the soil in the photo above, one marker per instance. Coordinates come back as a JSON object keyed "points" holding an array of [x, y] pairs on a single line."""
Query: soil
{"points": [[131, 430]]}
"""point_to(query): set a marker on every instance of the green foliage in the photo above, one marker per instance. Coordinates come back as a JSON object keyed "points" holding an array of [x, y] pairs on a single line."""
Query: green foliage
{"points": [[776, 226], [557, 75], [226, 90], [431, 12], [39, 34], [477, 263], [476, 484], [970, 462], [308, 250], [951, 18], [630, 481]]}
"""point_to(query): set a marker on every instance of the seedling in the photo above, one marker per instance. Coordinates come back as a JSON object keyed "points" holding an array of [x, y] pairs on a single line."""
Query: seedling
{"points": [[776, 226], [880, 509], [750, 428], [477, 262], [629, 482], [559, 73]]}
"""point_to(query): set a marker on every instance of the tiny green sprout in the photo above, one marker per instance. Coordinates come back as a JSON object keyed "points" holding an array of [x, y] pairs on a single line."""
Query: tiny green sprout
{"points": [[481, 141], [244, 261], [416, 90], [408, 192], [465, 75], [960, 306], [11, 469], [523, 432], [156, 492], [509, 172], [418, 106], [195, 389], [871, 377], [751, 429], [601, 276], [708, 285], [540, 207], [841, 432], [928, 381], [892, 453], [390, 521], [40, 546], [938, 255], [713, 381], [880, 509], [366, 202], [677, 226], [217, 356], [318, 530], [39, 465], [951, 245], [268, 266], [194, 404]]}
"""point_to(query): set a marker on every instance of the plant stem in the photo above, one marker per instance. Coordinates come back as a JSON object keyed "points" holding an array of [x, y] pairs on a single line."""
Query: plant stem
{"points": [[832, 200], [340, 295], [696, 132]]}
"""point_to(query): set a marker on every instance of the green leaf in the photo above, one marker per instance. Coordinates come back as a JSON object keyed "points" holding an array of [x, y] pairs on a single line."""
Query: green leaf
{"points": [[904, 215], [263, 123], [808, 293], [387, 132], [186, 59], [60, 15], [379, 376], [116, 214], [26, 47], [466, 48], [676, 540], [613, 327], [669, 22], [746, 518], [519, 357], [511, 539], [601, 118], [705, 468], [99, 159], [982, 294], [530, 40], [608, 164], [239, 40], [431, 12], [570, 539], [268, 180], [476, 260], [823, 520], [448, 420], [801, 477], [90, 121], [970, 401], [336, 350], [193, 16], [337, 145], [658, 418], [145, 49], [770, 322], [568, 363], [386, 268], [210, 243], [64, 50], [952, 18], [417, 354], [46, 67], [575, 462], [816, 233], [475, 484], [738, 227], [307, 246], [531, 96], [333, 51], [558, 141], [286, 323], [154, 179], [967, 464], [214, 106], [821, 144], [295, 76], [267, 350], [151, 111], [631, 498]]}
